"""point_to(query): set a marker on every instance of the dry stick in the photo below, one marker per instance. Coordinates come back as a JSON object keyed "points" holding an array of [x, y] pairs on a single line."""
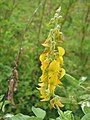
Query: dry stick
{"points": [[13, 82], [31, 18]]}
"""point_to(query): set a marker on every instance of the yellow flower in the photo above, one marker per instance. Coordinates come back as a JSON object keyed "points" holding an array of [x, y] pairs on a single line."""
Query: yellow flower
{"points": [[61, 51], [53, 79], [41, 84], [62, 72], [54, 66], [43, 77], [60, 60], [45, 96], [44, 65], [43, 56], [55, 102], [51, 89], [43, 92], [46, 43]]}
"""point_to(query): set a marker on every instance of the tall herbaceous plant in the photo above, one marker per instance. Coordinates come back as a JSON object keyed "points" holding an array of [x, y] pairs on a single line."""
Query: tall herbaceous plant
{"points": [[52, 63]]}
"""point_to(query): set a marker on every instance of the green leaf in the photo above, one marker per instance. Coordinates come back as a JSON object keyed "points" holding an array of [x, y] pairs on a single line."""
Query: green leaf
{"points": [[67, 115], [86, 117], [82, 79], [18, 117], [8, 116], [1, 97], [58, 118], [85, 97], [39, 112], [85, 107], [3, 107], [71, 80], [34, 118]]}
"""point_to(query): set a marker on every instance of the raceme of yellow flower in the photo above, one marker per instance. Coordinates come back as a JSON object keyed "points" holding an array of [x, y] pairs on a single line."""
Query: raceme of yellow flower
{"points": [[52, 65], [52, 72]]}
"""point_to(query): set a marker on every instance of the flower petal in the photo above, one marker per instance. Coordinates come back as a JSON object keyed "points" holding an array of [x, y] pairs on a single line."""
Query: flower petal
{"points": [[61, 51]]}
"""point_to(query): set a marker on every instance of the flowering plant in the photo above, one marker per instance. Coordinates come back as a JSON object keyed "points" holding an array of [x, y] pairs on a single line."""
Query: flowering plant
{"points": [[52, 63]]}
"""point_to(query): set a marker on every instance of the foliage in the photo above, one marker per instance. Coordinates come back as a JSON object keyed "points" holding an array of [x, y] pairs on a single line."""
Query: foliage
{"points": [[40, 114], [24, 24]]}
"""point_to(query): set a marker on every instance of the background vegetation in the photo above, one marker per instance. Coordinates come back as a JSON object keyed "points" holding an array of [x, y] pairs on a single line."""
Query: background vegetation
{"points": [[24, 24]]}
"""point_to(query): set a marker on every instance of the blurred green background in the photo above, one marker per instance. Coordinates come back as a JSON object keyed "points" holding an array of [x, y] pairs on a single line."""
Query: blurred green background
{"points": [[24, 23]]}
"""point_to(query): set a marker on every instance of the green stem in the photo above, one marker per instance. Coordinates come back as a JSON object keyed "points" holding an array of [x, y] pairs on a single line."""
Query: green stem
{"points": [[61, 113]]}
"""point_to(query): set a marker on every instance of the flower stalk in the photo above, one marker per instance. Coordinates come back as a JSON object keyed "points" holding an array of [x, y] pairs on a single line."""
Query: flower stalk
{"points": [[52, 63]]}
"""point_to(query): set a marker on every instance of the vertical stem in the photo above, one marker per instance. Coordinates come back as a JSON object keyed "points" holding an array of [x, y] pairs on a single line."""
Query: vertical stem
{"points": [[40, 26], [61, 113], [23, 32]]}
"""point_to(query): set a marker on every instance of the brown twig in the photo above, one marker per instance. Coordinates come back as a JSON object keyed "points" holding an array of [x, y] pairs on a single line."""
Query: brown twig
{"points": [[13, 81]]}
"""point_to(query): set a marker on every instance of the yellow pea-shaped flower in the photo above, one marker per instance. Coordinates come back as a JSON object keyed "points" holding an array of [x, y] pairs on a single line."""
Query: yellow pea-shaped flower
{"points": [[54, 66], [61, 51]]}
